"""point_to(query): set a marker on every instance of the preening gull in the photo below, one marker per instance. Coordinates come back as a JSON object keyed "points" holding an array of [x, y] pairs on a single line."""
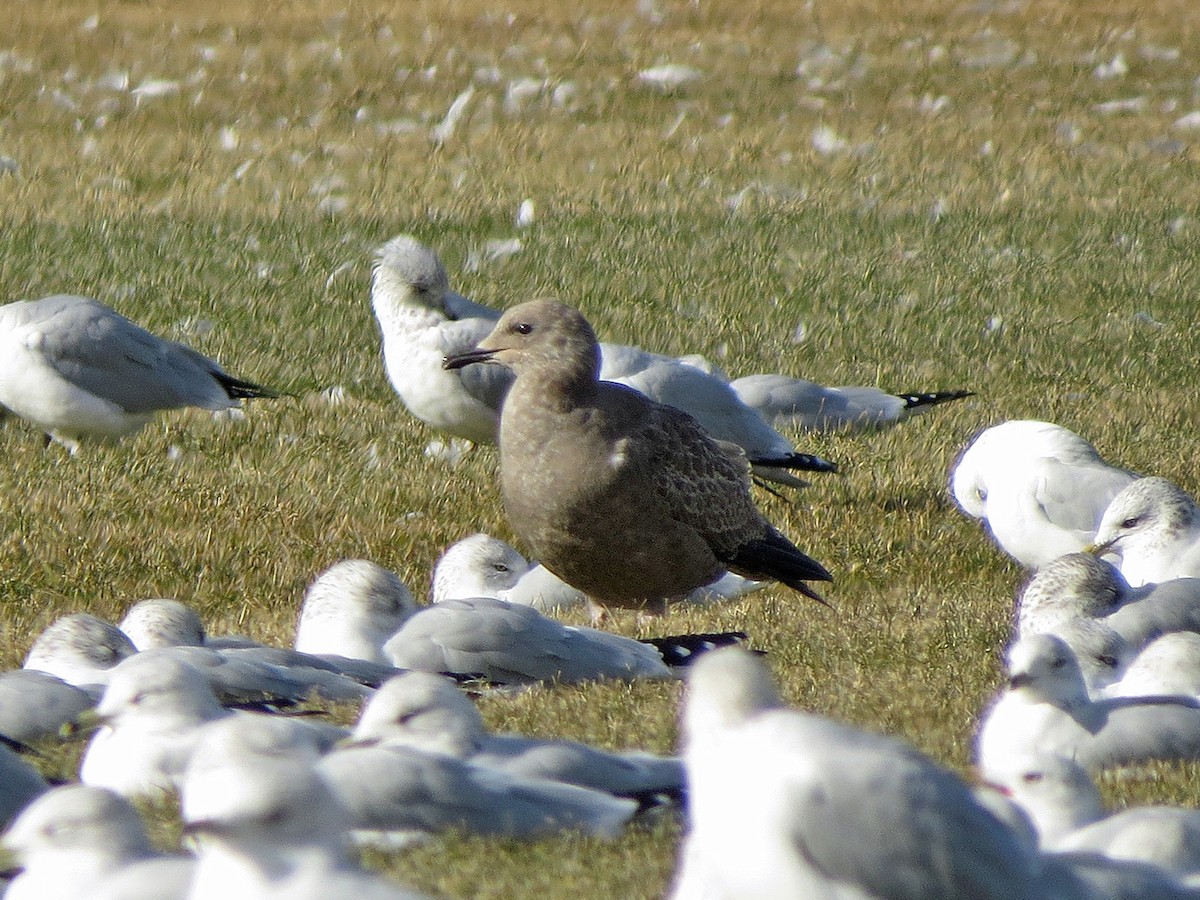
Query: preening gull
{"points": [[624, 498], [786, 804], [1154, 527], [428, 712], [421, 321], [1041, 488], [1046, 710], [78, 369], [794, 402], [75, 841]]}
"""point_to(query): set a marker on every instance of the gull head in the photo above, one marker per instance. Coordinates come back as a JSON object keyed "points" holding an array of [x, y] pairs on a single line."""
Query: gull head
{"points": [[726, 688], [77, 820], [1056, 792], [162, 622], [77, 645], [1077, 584], [543, 338], [477, 566], [1145, 519], [262, 806], [422, 710], [1102, 653], [1043, 667], [406, 273], [360, 590], [152, 687]]}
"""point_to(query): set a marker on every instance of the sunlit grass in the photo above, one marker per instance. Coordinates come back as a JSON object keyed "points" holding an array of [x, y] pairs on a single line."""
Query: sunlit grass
{"points": [[1002, 198]]}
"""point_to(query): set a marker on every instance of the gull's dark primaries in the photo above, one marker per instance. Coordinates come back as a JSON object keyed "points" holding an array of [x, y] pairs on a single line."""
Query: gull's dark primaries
{"points": [[77, 369], [626, 499]]}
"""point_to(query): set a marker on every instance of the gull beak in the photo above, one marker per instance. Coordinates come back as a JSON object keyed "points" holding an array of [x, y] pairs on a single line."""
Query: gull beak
{"points": [[1099, 549], [465, 359], [1019, 680]]}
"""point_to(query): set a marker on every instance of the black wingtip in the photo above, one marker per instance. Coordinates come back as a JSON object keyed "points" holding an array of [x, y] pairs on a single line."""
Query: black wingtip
{"points": [[916, 399], [244, 390], [774, 557], [681, 650], [803, 462]]}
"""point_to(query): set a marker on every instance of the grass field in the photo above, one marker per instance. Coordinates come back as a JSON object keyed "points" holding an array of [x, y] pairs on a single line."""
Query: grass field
{"points": [[994, 195]]}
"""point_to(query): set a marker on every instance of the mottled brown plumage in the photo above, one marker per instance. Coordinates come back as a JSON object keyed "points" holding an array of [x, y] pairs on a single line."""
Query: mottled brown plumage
{"points": [[628, 500]]}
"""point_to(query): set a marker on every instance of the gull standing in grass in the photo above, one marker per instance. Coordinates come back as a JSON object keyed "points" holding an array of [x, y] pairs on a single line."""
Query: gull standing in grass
{"points": [[1040, 488], [1153, 525], [79, 370], [422, 321], [1046, 710], [785, 804], [80, 843], [428, 712], [626, 499]]}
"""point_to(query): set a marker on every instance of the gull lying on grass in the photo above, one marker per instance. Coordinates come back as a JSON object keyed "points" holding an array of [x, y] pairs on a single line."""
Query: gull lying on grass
{"points": [[422, 321], [1069, 815], [240, 671], [627, 499], [79, 370], [36, 705], [20, 783], [1046, 710], [78, 843], [427, 712], [1154, 527], [1040, 488], [1168, 666], [481, 636], [1082, 585], [81, 649], [786, 804], [154, 712], [483, 566], [351, 609], [271, 827], [399, 794], [793, 402]]}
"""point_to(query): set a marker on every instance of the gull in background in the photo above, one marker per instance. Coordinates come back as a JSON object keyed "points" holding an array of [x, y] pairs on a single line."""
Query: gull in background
{"points": [[79, 370], [422, 321], [1153, 525], [1040, 488], [81, 649], [483, 566], [793, 402]]}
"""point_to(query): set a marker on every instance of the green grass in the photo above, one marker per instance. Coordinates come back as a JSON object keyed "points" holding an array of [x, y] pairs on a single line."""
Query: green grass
{"points": [[695, 220]]}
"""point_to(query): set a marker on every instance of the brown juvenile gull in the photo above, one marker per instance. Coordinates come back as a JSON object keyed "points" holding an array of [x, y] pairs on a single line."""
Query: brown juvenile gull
{"points": [[626, 499]]}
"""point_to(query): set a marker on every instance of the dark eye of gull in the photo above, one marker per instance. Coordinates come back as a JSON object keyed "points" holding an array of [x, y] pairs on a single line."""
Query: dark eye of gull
{"points": [[523, 328]]}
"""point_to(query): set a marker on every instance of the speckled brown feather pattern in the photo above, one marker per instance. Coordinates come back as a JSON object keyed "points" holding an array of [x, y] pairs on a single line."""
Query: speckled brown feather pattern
{"points": [[626, 499]]}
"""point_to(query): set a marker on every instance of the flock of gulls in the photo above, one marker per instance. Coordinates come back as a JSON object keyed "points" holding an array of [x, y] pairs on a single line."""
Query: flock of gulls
{"points": [[607, 452]]}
